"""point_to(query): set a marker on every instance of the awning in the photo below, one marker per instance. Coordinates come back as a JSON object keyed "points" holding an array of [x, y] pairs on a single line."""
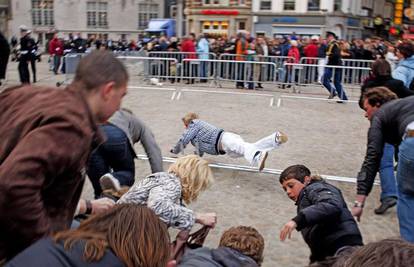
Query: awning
{"points": [[157, 25]]}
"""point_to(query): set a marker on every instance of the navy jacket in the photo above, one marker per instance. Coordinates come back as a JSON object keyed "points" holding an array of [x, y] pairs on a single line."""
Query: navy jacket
{"points": [[324, 220], [46, 252]]}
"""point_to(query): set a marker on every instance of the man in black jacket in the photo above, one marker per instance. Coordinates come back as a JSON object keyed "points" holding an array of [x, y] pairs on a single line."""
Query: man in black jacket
{"points": [[393, 123], [333, 52], [324, 220], [4, 56]]}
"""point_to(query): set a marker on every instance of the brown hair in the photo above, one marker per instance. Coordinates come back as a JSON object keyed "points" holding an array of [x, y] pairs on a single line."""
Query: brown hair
{"points": [[133, 232], [298, 172], [245, 239], [195, 176], [189, 117], [381, 68], [98, 68], [384, 253], [406, 49], [378, 96]]}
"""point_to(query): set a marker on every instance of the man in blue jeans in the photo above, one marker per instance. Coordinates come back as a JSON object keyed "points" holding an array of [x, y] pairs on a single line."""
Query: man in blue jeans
{"points": [[333, 53], [392, 123], [112, 165]]}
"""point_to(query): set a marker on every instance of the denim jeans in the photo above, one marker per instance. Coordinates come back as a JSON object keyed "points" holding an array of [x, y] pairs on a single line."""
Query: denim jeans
{"points": [[326, 80], [115, 156], [387, 177], [405, 181], [56, 63]]}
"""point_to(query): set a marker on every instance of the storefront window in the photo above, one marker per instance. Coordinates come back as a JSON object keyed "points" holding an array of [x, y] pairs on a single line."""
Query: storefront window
{"points": [[313, 5], [289, 5], [265, 5]]}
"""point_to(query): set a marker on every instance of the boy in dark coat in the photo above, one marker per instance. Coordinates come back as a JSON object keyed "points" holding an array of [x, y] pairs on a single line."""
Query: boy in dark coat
{"points": [[324, 220]]}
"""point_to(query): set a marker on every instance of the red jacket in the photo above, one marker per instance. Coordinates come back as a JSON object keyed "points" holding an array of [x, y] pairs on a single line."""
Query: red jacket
{"points": [[55, 47], [294, 52], [188, 46], [311, 50]]}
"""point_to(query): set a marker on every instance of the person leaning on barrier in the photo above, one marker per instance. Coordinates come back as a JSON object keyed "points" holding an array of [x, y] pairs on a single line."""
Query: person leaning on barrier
{"points": [[392, 123], [46, 138], [323, 218], [126, 235], [164, 192], [239, 246], [112, 165]]}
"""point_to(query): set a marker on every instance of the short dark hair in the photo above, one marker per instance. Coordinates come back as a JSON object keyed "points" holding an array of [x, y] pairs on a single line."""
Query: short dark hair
{"points": [[246, 240], [406, 49], [298, 172], [378, 96], [381, 67], [98, 68]]}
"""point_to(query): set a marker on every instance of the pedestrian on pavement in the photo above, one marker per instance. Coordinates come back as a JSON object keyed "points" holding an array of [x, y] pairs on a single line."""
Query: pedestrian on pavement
{"points": [[46, 138], [323, 218], [333, 53], [392, 122], [112, 165], [209, 139], [27, 44], [56, 51]]}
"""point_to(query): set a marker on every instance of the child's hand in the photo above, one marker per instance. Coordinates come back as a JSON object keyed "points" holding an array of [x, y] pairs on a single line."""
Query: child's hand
{"points": [[287, 230]]}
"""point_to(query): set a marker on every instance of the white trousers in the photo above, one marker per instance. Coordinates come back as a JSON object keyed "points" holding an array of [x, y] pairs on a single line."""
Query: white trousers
{"points": [[236, 147], [321, 69]]}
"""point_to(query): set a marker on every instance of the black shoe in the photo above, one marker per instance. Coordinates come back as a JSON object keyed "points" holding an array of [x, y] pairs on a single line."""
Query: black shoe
{"points": [[386, 203]]}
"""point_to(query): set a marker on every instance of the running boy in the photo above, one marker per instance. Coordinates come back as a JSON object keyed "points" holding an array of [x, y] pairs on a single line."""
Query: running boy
{"points": [[209, 139], [324, 220]]}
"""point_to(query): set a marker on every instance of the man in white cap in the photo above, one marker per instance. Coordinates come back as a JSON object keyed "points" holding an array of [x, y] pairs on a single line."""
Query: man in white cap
{"points": [[27, 44]]}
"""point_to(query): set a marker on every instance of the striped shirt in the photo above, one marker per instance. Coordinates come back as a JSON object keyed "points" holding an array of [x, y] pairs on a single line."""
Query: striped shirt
{"points": [[204, 136]]}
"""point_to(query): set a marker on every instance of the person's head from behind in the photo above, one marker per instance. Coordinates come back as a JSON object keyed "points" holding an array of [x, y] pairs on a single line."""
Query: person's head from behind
{"points": [[246, 240], [133, 232], [374, 98], [294, 178], [381, 68], [188, 118], [103, 79], [405, 50], [195, 176], [384, 253]]}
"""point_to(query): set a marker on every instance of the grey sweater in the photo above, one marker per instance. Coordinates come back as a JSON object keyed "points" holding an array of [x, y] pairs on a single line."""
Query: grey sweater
{"points": [[137, 131]]}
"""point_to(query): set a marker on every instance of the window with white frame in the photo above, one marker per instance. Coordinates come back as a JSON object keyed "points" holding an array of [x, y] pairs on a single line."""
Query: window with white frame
{"points": [[265, 5], [146, 12], [42, 13], [314, 5], [97, 14], [289, 5]]}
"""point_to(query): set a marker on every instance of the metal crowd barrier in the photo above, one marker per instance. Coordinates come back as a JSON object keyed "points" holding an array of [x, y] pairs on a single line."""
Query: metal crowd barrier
{"points": [[245, 73], [226, 166], [70, 64], [151, 67]]}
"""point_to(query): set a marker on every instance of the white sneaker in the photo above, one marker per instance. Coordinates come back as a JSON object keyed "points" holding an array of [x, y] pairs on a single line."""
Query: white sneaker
{"points": [[280, 138], [260, 159], [108, 181]]}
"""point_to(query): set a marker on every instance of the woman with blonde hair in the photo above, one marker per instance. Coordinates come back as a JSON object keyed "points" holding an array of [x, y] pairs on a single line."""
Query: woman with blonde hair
{"points": [[164, 192], [126, 235]]}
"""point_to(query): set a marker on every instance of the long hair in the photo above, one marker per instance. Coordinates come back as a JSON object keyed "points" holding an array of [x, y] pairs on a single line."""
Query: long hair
{"points": [[195, 176], [133, 232]]}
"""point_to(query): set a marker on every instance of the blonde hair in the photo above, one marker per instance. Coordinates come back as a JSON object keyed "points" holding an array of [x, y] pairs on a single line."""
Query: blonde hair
{"points": [[189, 117], [195, 176]]}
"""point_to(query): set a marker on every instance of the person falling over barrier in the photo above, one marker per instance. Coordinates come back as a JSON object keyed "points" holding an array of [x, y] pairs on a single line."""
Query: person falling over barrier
{"points": [[207, 138]]}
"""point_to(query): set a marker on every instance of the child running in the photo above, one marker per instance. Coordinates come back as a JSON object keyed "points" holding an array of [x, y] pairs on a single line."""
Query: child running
{"points": [[209, 139]]}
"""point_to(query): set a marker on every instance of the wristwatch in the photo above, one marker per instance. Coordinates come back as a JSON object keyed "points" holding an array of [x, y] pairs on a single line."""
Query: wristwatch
{"points": [[358, 204]]}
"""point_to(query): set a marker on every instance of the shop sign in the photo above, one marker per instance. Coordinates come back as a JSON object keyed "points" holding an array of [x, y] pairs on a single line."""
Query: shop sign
{"points": [[220, 12]]}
